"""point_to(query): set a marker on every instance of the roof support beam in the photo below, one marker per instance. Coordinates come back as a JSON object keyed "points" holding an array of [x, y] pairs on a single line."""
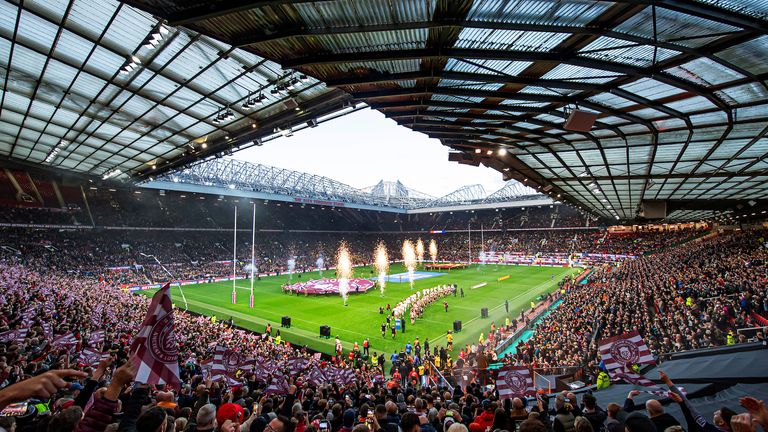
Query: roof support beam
{"points": [[386, 78], [504, 55], [209, 10], [665, 176]]}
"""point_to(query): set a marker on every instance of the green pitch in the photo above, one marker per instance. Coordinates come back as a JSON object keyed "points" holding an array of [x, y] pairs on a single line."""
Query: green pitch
{"points": [[361, 318]]}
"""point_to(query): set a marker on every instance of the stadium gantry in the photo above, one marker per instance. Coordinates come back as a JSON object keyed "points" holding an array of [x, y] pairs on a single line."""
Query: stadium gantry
{"points": [[677, 88]]}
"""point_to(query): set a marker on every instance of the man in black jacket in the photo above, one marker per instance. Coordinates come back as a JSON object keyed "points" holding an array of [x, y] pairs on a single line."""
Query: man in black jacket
{"points": [[593, 413]]}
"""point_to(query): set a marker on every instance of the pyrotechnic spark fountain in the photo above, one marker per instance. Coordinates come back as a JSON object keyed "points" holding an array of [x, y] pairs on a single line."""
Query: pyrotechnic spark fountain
{"points": [[382, 265], [291, 267], [343, 270], [320, 264], [409, 258], [420, 251], [433, 250]]}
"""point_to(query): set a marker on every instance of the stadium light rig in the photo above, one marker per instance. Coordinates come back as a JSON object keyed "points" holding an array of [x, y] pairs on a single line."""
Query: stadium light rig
{"points": [[130, 65], [154, 39], [113, 173], [55, 151]]}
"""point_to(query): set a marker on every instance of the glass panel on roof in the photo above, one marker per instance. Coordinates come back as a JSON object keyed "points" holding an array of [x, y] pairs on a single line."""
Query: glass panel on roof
{"points": [[705, 72], [611, 101], [749, 55], [406, 39], [538, 11], [466, 85], [621, 51], [744, 93], [673, 26], [651, 89], [502, 67]]}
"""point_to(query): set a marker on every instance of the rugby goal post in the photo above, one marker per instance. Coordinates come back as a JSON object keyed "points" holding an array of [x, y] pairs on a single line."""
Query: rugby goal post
{"points": [[540, 382]]}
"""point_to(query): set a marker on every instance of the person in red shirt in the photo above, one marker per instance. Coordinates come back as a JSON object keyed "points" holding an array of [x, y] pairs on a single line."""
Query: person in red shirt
{"points": [[485, 419]]}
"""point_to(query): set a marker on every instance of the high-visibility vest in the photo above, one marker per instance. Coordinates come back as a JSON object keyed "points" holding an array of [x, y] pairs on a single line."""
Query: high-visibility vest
{"points": [[375, 361], [603, 381]]}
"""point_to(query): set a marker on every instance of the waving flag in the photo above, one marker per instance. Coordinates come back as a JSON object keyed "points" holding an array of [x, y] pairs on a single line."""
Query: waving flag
{"points": [[296, 365], [278, 385], [624, 351], [514, 381], [28, 316], [155, 349], [96, 338], [227, 362], [315, 376], [637, 379], [92, 357], [15, 335], [67, 341], [345, 376], [47, 330]]}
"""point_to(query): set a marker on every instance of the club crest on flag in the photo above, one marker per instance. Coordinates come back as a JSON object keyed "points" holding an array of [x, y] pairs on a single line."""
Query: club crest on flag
{"points": [[625, 352], [514, 381], [233, 362], [162, 341]]}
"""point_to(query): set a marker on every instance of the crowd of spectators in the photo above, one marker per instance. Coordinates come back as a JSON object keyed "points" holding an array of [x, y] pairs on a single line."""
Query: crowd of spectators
{"points": [[131, 256], [683, 295], [60, 393], [693, 296]]}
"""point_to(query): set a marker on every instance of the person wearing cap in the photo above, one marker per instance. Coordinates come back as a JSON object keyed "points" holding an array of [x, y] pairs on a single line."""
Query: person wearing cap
{"points": [[232, 412]]}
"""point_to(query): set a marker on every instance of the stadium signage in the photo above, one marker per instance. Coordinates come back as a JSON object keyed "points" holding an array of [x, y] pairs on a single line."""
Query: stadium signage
{"points": [[318, 202]]}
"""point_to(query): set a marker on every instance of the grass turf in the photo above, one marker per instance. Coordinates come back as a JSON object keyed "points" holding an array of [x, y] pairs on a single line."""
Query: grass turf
{"points": [[361, 318]]}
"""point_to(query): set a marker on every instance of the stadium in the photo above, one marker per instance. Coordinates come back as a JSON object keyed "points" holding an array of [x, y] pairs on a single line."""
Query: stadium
{"points": [[156, 277]]}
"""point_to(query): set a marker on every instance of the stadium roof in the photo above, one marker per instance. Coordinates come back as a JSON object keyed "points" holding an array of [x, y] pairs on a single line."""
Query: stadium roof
{"points": [[678, 86], [227, 176], [107, 89]]}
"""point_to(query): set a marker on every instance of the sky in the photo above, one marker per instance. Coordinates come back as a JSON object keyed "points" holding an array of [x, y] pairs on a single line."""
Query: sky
{"points": [[364, 147]]}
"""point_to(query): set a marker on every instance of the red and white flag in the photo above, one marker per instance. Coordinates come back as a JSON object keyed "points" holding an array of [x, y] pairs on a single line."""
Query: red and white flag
{"points": [[67, 341], [632, 377], [514, 381], [155, 350], [92, 357], [15, 335], [96, 338], [226, 363], [624, 351], [278, 385], [47, 330]]}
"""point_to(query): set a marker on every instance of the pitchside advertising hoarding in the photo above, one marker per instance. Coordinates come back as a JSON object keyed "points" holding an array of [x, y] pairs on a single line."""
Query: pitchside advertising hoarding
{"points": [[135, 288], [550, 259]]}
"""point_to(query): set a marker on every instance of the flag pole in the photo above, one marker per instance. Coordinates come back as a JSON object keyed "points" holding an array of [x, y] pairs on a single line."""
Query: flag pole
{"points": [[234, 261], [253, 253]]}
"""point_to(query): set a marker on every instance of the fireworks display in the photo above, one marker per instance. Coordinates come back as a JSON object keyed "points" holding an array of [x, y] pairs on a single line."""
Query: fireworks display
{"points": [[420, 251], [433, 250], [382, 265], [343, 270], [409, 258]]}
